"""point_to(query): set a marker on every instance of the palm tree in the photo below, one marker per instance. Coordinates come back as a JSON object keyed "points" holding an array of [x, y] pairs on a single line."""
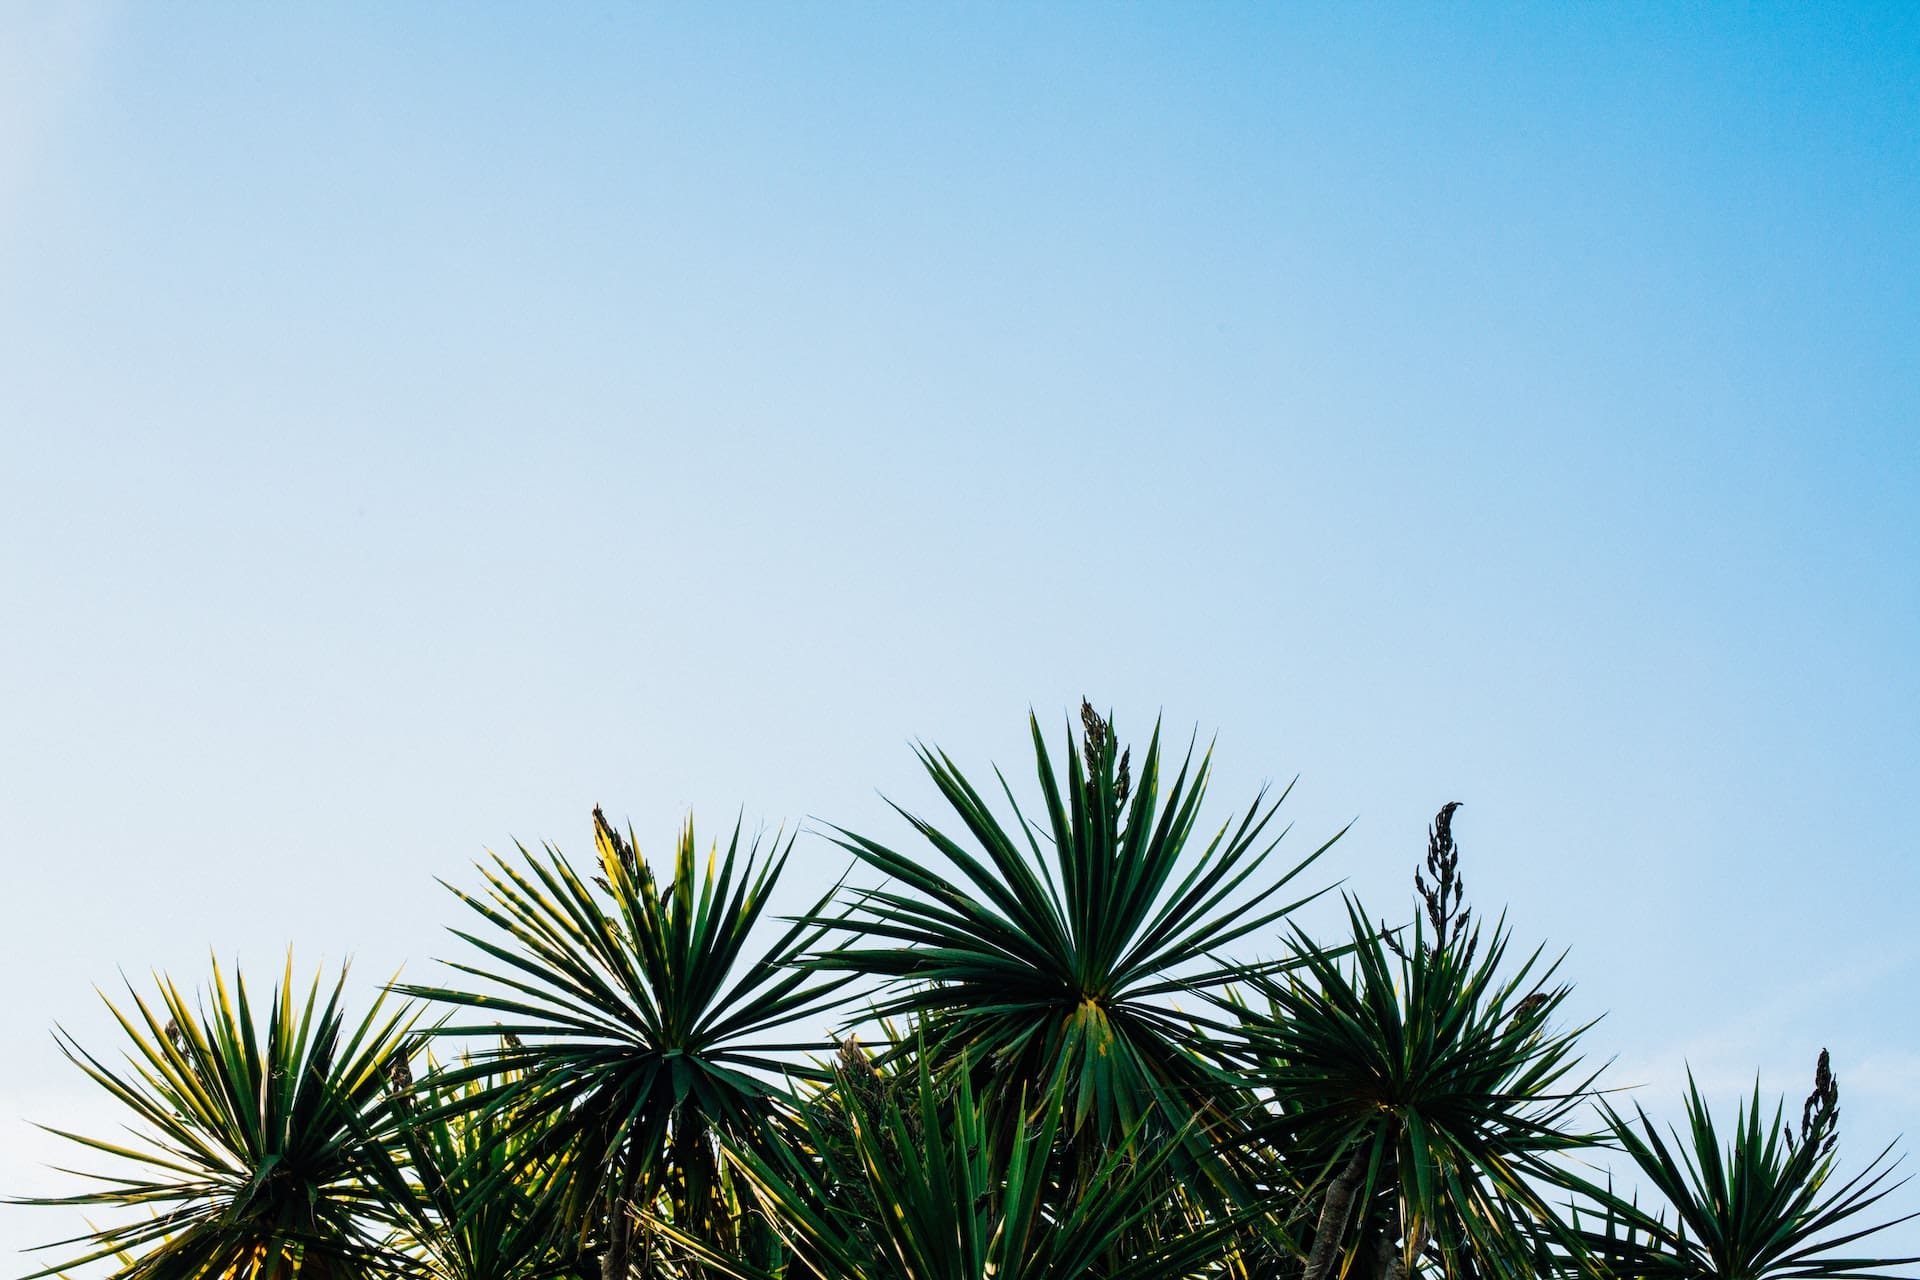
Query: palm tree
{"points": [[1055, 951], [1761, 1207], [1399, 1103], [265, 1145], [473, 1217], [637, 1029], [1412, 1095], [928, 1183]]}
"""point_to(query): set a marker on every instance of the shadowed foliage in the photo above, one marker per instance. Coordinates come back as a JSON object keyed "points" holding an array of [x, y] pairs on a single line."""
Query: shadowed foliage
{"points": [[927, 1184], [473, 1217]]}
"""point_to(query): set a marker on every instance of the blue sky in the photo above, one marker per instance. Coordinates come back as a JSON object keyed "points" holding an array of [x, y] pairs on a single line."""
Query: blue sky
{"points": [[420, 425]]}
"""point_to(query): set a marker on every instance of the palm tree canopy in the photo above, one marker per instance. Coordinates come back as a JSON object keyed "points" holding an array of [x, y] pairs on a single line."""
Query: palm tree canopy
{"points": [[1432, 1083], [265, 1137], [1758, 1207], [473, 1218], [1054, 950], [932, 1186], [632, 1015]]}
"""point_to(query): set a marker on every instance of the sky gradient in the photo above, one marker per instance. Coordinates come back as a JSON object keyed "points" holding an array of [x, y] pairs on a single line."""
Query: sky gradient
{"points": [[420, 425]]}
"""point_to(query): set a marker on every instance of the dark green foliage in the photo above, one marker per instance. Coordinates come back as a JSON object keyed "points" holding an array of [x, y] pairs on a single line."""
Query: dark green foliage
{"points": [[639, 1027], [1057, 953], [656, 1098], [930, 1184], [474, 1216], [1414, 1094], [266, 1147], [1762, 1206]]}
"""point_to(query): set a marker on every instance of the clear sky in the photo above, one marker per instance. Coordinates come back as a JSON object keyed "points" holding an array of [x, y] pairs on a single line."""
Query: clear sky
{"points": [[420, 423]]}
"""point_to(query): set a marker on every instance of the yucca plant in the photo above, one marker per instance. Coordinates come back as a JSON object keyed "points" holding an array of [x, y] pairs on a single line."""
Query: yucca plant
{"points": [[1057, 950], [264, 1142], [1762, 1206], [474, 1215], [929, 1183], [1414, 1094], [638, 1028]]}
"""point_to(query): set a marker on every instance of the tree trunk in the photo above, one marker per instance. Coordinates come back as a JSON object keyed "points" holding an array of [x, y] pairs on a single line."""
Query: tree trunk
{"points": [[1394, 1263], [617, 1258], [613, 1259], [1334, 1212]]}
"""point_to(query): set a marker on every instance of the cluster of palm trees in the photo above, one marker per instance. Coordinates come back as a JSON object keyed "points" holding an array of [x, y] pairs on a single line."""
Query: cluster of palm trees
{"points": [[1065, 1073]]}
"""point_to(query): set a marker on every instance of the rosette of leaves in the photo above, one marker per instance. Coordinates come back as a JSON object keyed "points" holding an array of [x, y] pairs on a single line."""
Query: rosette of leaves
{"points": [[1758, 1206], [1414, 1098], [264, 1145], [638, 1024], [1054, 950]]}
